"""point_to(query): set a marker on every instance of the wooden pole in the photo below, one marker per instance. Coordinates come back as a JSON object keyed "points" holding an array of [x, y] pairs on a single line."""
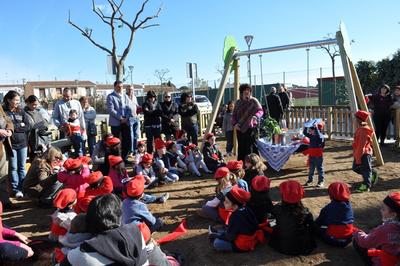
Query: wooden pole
{"points": [[236, 95]]}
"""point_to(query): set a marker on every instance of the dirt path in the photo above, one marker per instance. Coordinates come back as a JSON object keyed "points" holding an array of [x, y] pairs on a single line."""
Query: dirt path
{"points": [[189, 194]]}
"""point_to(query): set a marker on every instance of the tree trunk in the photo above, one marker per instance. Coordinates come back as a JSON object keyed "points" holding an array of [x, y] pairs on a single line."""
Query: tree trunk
{"points": [[119, 71]]}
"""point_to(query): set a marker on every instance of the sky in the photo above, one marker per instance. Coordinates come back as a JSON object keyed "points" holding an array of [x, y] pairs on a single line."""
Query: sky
{"points": [[37, 43]]}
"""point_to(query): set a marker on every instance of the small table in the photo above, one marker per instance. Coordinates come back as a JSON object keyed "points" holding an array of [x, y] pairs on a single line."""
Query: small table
{"points": [[276, 155]]}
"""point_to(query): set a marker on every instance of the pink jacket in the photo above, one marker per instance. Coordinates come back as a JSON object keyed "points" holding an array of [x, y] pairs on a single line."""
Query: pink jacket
{"points": [[8, 233], [385, 237], [116, 178], [76, 181]]}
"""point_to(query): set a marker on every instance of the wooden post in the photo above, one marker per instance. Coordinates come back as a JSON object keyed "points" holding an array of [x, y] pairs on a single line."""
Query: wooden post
{"points": [[329, 121], [236, 96]]}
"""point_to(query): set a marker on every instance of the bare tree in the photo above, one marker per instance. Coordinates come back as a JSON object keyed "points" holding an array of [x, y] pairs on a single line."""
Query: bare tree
{"points": [[161, 74], [114, 21]]}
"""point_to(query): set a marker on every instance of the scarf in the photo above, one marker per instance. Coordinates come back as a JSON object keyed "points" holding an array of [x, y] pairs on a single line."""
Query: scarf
{"points": [[244, 112]]}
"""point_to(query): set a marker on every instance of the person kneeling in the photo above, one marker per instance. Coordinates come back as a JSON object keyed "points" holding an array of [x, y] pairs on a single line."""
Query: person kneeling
{"points": [[242, 233]]}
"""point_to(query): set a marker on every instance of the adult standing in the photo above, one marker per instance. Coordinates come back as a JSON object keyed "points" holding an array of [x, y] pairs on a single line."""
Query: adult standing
{"points": [[152, 119], [89, 113], [381, 101], [41, 180], [61, 113], [39, 136], [274, 105], [6, 131], [169, 118], [119, 109], [244, 119], [134, 121], [19, 141], [284, 97], [396, 115], [189, 111]]}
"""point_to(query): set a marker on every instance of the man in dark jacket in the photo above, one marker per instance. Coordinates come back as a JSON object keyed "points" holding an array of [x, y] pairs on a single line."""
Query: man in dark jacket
{"points": [[283, 95], [274, 105]]}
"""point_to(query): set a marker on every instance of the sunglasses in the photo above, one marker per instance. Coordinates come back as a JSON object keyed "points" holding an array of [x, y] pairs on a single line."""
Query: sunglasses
{"points": [[167, 97]]}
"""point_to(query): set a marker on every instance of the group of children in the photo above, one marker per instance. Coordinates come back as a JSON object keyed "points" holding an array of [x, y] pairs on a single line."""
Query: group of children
{"points": [[242, 203]]}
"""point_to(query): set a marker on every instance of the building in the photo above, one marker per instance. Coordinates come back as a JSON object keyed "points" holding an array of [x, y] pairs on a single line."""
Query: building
{"points": [[52, 90], [4, 88]]}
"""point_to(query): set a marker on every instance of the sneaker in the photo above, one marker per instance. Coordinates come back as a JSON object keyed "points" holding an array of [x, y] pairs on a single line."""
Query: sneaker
{"points": [[19, 195], [308, 183], [374, 177], [320, 184], [164, 198], [363, 188]]}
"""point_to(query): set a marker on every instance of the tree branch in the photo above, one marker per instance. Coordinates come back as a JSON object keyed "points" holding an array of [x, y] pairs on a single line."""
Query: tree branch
{"points": [[141, 24], [87, 35], [99, 13]]}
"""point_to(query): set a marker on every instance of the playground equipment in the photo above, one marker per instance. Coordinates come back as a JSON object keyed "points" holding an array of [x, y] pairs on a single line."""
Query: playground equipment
{"points": [[232, 62]]}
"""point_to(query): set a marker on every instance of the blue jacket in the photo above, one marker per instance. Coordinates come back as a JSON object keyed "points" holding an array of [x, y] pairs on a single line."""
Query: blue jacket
{"points": [[135, 211], [118, 106], [317, 140], [336, 213]]}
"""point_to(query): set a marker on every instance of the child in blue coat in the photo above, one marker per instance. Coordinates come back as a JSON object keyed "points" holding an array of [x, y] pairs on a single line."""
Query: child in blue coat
{"points": [[315, 153]]}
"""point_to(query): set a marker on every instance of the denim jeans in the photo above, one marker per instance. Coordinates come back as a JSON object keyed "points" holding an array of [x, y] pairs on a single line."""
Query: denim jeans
{"points": [[222, 245], [77, 143], [148, 198], [135, 131], [152, 132], [316, 162], [229, 141], [192, 133], [123, 132], [17, 168], [91, 142], [364, 169]]}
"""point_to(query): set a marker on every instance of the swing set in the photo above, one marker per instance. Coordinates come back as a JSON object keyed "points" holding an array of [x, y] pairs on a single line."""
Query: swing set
{"points": [[356, 95]]}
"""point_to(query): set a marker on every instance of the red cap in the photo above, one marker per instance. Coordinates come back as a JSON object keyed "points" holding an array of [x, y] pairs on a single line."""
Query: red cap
{"points": [[234, 165], [72, 164], [362, 115], [141, 143], [261, 183], [238, 195], [179, 133], [159, 143], [321, 125], [65, 197], [221, 172], [85, 160], [135, 187], [291, 191], [393, 201], [169, 144], [144, 229], [114, 160], [147, 158], [209, 135], [93, 177], [339, 191], [112, 141], [305, 140]]}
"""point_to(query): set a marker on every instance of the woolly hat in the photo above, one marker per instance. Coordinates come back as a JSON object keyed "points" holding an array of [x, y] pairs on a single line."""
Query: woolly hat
{"points": [[291, 191], [261, 183], [93, 177], [179, 133], [72, 164], [339, 191], [141, 143], [362, 115], [65, 197], [393, 201], [144, 229], [221, 172], [135, 187], [114, 160], [85, 160], [234, 165], [147, 158], [238, 195], [169, 144], [209, 135], [112, 141], [159, 143]]}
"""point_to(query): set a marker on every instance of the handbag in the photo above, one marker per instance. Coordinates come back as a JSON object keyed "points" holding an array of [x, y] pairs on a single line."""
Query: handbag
{"points": [[92, 129]]}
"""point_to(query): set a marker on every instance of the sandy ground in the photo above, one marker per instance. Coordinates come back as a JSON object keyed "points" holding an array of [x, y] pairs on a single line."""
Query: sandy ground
{"points": [[189, 194]]}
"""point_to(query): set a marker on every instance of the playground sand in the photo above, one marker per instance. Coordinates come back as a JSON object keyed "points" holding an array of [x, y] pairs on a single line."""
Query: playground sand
{"points": [[189, 194]]}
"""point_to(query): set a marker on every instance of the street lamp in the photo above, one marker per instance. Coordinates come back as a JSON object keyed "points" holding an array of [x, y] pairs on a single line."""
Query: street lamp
{"points": [[130, 72], [249, 40]]}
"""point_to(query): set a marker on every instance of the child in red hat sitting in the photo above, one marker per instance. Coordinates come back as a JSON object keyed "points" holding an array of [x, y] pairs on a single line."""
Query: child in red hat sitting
{"points": [[73, 175], [62, 217], [98, 185], [177, 165], [117, 173], [335, 222], [237, 171], [113, 147], [362, 152], [383, 242], [195, 160], [260, 202], [214, 209], [293, 233], [212, 156], [134, 210], [145, 168], [141, 151], [162, 163], [242, 233]]}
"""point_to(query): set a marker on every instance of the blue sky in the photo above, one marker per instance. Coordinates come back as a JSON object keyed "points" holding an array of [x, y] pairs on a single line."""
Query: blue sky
{"points": [[38, 43]]}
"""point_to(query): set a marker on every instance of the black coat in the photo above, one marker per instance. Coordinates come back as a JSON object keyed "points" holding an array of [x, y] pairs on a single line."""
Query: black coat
{"points": [[284, 100], [274, 106], [260, 203], [292, 234], [169, 111], [152, 113]]}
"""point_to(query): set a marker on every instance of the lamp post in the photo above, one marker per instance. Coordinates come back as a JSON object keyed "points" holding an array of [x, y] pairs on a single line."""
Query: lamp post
{"points": [[130, 72], [249, 40], [262, 78]]}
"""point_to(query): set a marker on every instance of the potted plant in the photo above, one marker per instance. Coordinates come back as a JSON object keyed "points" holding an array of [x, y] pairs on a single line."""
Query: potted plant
{"points": [[271, 130]]}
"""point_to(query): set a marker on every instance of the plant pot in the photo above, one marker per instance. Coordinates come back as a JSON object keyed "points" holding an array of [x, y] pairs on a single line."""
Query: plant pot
{"points": [[277, 139]]}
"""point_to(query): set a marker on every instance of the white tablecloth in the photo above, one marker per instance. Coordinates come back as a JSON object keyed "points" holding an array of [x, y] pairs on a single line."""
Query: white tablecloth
{"points": [[276, 155]]}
